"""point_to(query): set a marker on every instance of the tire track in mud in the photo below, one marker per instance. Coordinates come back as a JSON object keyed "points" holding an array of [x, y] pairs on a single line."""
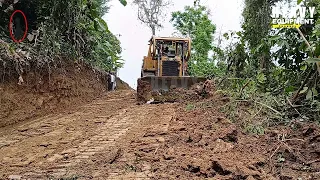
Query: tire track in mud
{"points": [[106, 138], [52, 145], [153, 125], [58, 146], [115, 134]]}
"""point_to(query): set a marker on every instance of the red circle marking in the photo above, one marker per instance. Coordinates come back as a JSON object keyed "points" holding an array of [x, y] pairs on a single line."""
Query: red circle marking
{"points": [[10, 28]]}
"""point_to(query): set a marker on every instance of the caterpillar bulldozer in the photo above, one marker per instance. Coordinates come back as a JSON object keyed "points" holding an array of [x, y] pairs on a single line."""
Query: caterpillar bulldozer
{"points": [[166, 65]]}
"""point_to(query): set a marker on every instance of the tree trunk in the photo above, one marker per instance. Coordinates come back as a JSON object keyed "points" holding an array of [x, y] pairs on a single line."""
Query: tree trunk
{"points": [[153, 29]]}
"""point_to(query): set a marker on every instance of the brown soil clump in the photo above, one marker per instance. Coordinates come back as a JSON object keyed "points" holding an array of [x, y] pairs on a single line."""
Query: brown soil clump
{"points": [[143, 91], [198, 91]]}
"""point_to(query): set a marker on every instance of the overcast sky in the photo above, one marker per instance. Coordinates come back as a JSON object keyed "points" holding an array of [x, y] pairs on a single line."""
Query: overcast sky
{"points": [[226, 15]]}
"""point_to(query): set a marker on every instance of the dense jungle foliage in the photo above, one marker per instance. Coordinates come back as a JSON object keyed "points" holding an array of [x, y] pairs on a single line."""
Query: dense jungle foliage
{"points": [[58, 29], [194, 22], [275, 70]]}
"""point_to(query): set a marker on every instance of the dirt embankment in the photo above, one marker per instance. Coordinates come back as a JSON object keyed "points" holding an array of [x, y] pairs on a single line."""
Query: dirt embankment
{"points": [[121, 85], [38, 93]]}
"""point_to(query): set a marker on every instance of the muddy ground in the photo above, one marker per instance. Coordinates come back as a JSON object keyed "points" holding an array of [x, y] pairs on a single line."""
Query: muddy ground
{"points": [[112, 137]]}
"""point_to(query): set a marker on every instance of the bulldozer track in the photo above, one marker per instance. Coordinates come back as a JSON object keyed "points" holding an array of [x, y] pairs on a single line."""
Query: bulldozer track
{"points": [[57, 145]]}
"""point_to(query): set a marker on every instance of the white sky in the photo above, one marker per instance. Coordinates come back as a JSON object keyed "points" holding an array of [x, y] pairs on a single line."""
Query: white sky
{"points": [[226, 15]]}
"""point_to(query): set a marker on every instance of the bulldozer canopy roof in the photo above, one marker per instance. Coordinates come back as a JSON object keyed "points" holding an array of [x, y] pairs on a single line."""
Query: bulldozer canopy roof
{"points": [[169, 38]]}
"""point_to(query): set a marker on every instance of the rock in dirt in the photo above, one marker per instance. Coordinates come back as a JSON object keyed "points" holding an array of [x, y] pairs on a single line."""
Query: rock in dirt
{"points": [[14, 177], [194, 137], [192, 168], [250, 178], [238, 170], [169, 155], [152, 133], [197, 166], [221, 146], [113, 155], [204, 89], [149, 148], [161, 139], [229, 134], [220, 169]]}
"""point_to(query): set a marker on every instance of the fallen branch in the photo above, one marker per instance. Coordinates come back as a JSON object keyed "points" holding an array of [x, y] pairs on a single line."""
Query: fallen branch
{"points": [[262, 105], [274, 152], [293, 107], [113, 155], [155, 152], [222, 81], [243, 87], [295, 139], [268, 107], [313, 161]]}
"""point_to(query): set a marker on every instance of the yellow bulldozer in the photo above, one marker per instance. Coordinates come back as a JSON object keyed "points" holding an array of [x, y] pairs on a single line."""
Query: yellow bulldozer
{"points": [[166, 65]]}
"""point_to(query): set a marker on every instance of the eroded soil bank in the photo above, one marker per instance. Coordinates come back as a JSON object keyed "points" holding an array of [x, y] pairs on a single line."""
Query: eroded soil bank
{"points": [[38, 93]]}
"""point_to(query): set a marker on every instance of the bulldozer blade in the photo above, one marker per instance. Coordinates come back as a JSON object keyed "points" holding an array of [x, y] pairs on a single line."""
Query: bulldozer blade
{"points": [[165, 83]]}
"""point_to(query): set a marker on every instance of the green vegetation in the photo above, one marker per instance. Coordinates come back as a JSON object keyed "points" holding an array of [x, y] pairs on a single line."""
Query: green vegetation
{"points": [[275, 71], [190, 107], [59, 29], [194, 22]]}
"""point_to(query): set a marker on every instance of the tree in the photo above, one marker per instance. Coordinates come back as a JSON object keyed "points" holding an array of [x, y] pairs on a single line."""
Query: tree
{"points": [[256, 26], [194, 22], [150, 12], [73, 29]]}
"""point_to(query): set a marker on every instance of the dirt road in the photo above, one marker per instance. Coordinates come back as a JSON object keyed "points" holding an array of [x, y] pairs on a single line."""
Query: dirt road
{"points": [[114, 138], [65, 145]]}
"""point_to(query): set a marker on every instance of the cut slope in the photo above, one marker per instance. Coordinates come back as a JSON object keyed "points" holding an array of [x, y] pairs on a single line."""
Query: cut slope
{"points": [[121, 85], [67, 86]]}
